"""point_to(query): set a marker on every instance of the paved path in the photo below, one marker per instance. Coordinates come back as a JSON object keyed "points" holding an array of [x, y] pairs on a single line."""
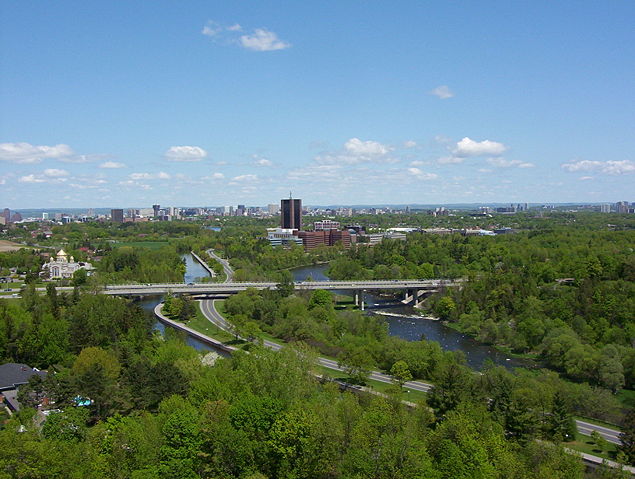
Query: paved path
{"points": [[229, 272], [611, 435]]}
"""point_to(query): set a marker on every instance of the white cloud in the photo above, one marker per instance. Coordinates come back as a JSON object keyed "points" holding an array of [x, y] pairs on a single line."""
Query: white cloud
{"points": [[263, 162], [135, 184], [112, 165], [357, 151], [245, 178], [409, 144], [27, 153], [355, 146], [447, 160], [55, 173], [211, 29], [421, 175], [468, 148], [78, 159], [503, 163], [323, 172], [214, 176], [185, 153], [443, 92], [418, 163], [31, 179], [161, 175], [263, 40], [606, 167], [214, 29], [585, 178]]}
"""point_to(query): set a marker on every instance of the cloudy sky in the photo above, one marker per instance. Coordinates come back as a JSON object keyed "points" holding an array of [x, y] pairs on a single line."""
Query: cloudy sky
{"points": [[341, 102]]}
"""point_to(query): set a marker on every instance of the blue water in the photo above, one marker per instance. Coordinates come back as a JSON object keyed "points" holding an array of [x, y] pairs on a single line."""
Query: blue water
{"points": [[415, 328]]}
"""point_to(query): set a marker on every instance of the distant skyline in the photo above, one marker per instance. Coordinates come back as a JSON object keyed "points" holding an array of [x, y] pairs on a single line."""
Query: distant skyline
{"points": [[341, 102]]}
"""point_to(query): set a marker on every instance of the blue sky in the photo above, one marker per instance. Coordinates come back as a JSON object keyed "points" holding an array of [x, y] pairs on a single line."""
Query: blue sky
{"points": [[341, 102]]}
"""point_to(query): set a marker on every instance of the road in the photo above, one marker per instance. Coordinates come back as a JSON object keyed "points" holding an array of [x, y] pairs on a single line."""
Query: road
{"points": [[229, 272], [586, 428], [211, 313]]}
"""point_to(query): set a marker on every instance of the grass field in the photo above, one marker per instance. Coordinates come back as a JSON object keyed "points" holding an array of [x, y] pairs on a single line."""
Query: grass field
{"points": [[585, 444], [201, 324], [10, 246], [142, 244]]}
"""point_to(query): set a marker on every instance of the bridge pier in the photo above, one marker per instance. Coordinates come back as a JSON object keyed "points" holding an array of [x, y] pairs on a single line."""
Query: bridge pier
{"points": [[359, 298]]}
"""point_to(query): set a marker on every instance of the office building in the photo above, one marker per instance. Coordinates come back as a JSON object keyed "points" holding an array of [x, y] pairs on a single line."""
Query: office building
{"points": [[116, 216], [283, 237], [291, 214], [273, 209], [314, 239], [156, 209], [7, 216], [326, 225]]}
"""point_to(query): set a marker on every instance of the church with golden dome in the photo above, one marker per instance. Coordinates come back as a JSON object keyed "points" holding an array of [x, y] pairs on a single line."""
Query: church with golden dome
{"points": [[63, 267]]}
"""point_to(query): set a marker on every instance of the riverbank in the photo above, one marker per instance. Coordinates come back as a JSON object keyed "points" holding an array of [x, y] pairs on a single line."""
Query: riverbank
{"points": [[158, 312], [204, 264]]}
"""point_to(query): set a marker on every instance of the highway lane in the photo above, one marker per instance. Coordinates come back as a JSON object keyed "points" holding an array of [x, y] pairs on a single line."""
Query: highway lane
{"points": [[229, 272], [586, 428], [209, 310], [211, 313]]}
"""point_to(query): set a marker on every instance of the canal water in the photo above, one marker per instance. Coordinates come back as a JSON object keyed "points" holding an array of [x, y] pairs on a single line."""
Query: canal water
{"points": [[194, 271], [404, 322]]}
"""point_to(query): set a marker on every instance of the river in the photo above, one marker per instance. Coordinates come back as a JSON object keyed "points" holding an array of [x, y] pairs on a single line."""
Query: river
{"points": [[405, 324], [408, 325], [194, 271]]}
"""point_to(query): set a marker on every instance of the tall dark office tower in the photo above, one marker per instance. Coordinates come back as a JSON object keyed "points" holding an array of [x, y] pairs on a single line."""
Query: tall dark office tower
{"points": [[291, 214], [116, 216], [156, 209]]}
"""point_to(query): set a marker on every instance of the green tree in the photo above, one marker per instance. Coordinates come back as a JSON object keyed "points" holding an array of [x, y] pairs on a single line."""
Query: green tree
{"points": [[401, 373]]}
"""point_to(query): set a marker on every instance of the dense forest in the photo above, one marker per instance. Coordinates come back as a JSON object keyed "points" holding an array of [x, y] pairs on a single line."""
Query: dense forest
{"points": [[560, 290], [565, 293], [158, 408]]}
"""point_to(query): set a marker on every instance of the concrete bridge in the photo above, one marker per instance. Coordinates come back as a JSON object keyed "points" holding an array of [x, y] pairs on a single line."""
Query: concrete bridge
{"points": [[412, 288]]}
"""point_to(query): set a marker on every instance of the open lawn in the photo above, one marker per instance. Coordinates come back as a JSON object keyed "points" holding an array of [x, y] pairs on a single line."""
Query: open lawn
{"points": [[584, 443], [10, 246]]}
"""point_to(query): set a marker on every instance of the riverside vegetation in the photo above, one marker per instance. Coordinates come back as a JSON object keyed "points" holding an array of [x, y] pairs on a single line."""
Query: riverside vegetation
{"points": [[158, 410], [485, 422]]}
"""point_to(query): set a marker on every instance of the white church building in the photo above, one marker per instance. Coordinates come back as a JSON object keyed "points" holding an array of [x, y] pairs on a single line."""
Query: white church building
{"points": [[63, 267]]}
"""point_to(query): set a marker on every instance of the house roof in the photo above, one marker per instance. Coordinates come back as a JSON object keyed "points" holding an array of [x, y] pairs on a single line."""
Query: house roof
{"points": [[13, 375]]}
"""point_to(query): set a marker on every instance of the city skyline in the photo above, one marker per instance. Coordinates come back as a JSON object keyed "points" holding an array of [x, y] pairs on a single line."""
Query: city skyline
{"points": [[344, 103]]}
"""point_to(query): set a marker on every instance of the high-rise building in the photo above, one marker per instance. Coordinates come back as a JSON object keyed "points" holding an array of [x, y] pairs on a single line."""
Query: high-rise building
{"points": [[116, 216], [291, 214], [273, 209], [605, 208], [7, 216], [155, 209], [45, 215], [620, 207]]}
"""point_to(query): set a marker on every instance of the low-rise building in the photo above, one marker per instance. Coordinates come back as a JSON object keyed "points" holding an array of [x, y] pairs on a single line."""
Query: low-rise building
{"points": [[12, 376]]}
